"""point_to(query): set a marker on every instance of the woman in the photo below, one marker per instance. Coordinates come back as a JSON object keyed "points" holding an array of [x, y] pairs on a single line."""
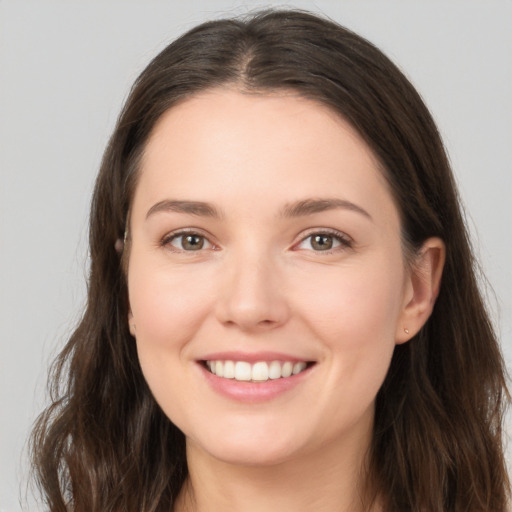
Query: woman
{"points": [[281, 291]]}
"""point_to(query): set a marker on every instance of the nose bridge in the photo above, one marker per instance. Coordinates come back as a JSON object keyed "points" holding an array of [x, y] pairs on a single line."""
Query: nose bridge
{"points": [[252, 293]]}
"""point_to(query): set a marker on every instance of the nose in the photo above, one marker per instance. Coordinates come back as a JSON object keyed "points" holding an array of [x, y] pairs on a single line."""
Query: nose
{"points": [[252, 295]]}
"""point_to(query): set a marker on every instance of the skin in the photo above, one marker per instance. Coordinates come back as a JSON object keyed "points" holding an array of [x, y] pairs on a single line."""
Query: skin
{"points": [[259, 284]]}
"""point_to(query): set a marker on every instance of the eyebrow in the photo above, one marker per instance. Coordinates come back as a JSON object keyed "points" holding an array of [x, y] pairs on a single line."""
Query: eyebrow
{"points": [[311, 206], [300, 208], [191, 207]]}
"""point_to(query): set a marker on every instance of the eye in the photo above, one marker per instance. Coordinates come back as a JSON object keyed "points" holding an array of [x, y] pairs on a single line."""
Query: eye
{"points": [[324, 241], [187, 241]]}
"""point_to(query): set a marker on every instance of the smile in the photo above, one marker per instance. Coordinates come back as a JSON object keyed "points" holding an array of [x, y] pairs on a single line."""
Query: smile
{"points": [[260, 371]]}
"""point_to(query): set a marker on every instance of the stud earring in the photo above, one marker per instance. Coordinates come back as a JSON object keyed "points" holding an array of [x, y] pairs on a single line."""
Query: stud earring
{"points": [[406, 331]]}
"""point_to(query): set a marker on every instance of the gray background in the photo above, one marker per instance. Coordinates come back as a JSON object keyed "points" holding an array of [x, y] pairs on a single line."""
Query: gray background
{"points": [[65, 68]]}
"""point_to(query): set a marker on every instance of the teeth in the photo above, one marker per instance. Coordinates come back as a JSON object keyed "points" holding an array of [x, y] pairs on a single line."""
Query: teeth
{"points": [[274, 371], [260, 372], [257, 372], [242, 371], [298, 367], [229, 370], [286, 371]]}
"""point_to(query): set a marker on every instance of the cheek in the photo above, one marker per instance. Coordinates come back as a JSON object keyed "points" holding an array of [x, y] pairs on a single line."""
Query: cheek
{"points": [[361, 301], [354, 312], [167, 306]]}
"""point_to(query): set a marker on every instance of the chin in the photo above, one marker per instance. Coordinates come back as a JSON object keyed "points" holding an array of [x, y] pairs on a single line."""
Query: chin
{"points": [[251, 456], [257, 450]]}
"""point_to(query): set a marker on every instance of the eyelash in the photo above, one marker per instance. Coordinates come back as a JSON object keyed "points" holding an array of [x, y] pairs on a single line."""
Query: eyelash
{"points": [[167, 239], [344, 241]]}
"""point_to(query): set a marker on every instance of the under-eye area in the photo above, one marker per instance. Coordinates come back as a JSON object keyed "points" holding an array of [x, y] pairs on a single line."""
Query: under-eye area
{"points": [[260, 371]]}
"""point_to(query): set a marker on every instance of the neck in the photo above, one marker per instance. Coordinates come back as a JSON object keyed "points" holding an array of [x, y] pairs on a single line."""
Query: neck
{"points": [[331, 479]]}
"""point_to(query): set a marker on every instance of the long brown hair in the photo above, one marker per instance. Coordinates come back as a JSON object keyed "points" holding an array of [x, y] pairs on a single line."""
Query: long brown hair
{"points": [[104, 444]]}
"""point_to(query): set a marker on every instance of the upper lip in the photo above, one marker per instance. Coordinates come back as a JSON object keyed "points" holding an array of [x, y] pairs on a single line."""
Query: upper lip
{"points": [[253, 357]]}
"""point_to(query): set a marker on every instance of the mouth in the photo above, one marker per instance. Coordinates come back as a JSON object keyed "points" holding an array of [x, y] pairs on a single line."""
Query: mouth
{"points": [[259, 371]]}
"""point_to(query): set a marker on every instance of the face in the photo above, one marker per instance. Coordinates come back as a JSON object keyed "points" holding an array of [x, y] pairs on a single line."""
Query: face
{"points": [[266, 277]]}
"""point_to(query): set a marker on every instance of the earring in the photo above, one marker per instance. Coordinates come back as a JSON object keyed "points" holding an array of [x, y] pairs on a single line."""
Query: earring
{"points": [[406, 331]]}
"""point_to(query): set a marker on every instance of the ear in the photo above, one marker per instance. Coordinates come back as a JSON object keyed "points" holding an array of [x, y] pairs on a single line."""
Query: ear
{"points": [[421, 288], [131, 322]]}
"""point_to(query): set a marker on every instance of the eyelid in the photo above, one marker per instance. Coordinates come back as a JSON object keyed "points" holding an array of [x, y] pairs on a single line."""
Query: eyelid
{"points": [[346, 241], [169, 237]]}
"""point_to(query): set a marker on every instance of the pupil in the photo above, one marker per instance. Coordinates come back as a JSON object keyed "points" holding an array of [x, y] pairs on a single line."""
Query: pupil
{"points": [[322, 242], [193, 242]]}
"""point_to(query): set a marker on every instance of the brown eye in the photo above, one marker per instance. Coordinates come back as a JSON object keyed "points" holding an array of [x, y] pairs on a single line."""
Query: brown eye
{"points": [[322, 242], [189, 242], [192, 242]]}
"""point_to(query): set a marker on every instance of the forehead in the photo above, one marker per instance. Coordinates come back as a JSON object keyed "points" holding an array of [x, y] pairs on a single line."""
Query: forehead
{"points": [[227, 143]]}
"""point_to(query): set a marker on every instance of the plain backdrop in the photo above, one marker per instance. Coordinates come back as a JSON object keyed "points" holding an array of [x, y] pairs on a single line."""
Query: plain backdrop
{"points": [[65, 68]]}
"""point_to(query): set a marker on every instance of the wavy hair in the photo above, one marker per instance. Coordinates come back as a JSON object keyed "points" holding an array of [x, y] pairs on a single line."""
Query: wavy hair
{"points": [[104, 445]]}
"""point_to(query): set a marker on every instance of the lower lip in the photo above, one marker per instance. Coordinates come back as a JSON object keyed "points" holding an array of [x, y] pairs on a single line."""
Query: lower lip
{"points": [[253, 392]]}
